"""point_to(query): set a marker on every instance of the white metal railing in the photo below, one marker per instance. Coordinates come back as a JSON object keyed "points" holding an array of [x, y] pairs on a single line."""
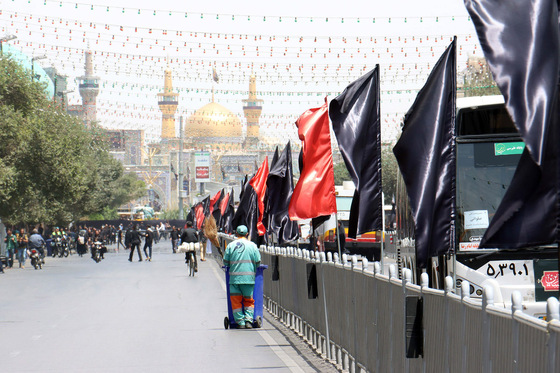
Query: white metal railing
{"points": [[355, 315]]}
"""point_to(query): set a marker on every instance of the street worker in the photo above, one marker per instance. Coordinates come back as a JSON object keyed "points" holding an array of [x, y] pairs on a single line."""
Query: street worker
{"points": [[190, 234], [243, 258]]}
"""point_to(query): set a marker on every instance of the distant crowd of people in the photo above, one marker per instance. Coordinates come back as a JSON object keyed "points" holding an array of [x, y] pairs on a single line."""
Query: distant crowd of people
{"points": [[82, 240]]}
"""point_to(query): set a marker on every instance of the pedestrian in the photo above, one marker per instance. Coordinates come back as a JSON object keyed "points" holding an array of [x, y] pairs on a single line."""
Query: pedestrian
{"points": [[81, 247], [190, 235], [127, 237], [22, 239], [11, 247], [155, 233], [203, 241], [148, 242], [135, 243], [243, 258], [341, 231], [174, 239], [120, 239], [161, 229]]}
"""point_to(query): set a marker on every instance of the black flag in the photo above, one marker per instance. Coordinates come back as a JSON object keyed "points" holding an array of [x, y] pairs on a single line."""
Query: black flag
{"points": [[274, 157], [356, 123], [280, 185], [247, 212], [426, 156], [227, 214], [521, 43], [216, 213]]}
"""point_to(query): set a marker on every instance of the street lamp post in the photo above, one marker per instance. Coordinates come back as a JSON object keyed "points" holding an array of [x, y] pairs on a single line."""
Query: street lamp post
{"points": [[33, 65], [6, 38], [180, 170]]}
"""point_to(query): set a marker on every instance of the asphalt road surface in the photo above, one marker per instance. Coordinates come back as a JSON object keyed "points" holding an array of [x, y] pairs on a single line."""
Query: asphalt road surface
{"points": [[76, 315]]}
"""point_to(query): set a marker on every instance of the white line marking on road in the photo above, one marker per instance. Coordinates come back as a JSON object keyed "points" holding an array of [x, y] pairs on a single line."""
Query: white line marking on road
{"points": [[288, 361], [36, 337]]}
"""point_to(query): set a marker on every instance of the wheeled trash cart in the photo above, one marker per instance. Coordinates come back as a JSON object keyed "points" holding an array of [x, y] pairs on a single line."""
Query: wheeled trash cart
{"points": [[229, 320]]}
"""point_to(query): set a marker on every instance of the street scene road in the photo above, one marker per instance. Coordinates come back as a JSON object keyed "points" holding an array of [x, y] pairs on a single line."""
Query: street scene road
{"points": [[76, 315]]}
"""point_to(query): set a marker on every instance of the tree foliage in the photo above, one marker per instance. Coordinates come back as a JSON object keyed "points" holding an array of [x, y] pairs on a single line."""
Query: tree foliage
{"points": [[52, 168], [389, 171], [341, 173]]}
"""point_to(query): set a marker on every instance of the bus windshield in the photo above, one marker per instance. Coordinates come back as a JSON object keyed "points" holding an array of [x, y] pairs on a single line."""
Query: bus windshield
{"points": [[484, 172]]}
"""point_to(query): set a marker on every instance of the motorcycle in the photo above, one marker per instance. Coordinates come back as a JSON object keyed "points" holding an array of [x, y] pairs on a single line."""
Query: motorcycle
{"points": [[57, 246], [36, 258], [97, 251], [64, 250]]}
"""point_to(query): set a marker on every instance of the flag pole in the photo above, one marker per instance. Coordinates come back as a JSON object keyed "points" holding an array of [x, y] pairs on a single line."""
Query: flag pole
{"points": [[382, 230], [180, 170]]}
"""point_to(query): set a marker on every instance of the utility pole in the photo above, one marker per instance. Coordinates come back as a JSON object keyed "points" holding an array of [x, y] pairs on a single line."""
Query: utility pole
{"points": [[180, 169]]}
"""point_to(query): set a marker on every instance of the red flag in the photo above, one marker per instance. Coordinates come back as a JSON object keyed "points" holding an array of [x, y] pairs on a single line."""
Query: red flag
{"points": [[199, 213], [258, 182], [314, 193], [224, 203], [214, 200]]}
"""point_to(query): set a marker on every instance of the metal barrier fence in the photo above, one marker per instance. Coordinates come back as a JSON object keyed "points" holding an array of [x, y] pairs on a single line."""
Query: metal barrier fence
{"points": [[367, 321]]}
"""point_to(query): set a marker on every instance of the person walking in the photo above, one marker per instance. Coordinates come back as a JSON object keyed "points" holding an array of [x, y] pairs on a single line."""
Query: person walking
{"points": [[148, 242], [127, 237], [174, 239], [120, 239], [81, 247], [190, 235], [135, 243], [22, 239], [11, 247], [243, 258]]}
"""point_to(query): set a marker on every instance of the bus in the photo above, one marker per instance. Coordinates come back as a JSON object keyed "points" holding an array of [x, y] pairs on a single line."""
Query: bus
{"points": [[488, 149], [367, 244]]}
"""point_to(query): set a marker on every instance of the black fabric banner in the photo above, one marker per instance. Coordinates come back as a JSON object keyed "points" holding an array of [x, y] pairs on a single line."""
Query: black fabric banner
{"points": [[356, 123], [521, 43], [425, 153], [280, 185]]}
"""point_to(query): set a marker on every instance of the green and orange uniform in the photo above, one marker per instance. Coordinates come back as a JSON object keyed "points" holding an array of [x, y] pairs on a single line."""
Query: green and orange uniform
{"points": [[243, 258]]}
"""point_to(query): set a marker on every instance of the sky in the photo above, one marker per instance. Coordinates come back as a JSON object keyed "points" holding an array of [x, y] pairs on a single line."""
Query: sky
{"points": [[300, 52]]}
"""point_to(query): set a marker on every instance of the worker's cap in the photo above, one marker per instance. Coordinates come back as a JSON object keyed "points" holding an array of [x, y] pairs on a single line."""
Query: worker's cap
{"points": [[241, 230]]}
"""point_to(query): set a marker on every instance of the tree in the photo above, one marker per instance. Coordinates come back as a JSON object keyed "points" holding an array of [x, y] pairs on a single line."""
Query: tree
{"points": [[389, 171], [52, 168], [341, 173]]}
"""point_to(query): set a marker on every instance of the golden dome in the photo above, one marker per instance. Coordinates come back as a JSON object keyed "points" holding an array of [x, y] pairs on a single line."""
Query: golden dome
{"points": [[214, 121]]}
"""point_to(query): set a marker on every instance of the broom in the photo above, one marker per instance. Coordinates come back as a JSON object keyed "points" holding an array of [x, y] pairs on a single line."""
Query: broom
{"points": [[211, 230]]}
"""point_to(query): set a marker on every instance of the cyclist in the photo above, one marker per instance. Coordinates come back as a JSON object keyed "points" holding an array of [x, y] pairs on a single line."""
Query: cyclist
{"points": [[188, 235]]}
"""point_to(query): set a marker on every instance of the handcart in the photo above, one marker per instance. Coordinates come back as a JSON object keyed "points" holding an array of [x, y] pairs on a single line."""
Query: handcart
{"points": [[229, 320]]}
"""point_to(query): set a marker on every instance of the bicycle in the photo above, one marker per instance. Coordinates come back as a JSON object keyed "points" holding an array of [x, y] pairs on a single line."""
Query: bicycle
{"points": [[190, 264], [188, 249]]}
